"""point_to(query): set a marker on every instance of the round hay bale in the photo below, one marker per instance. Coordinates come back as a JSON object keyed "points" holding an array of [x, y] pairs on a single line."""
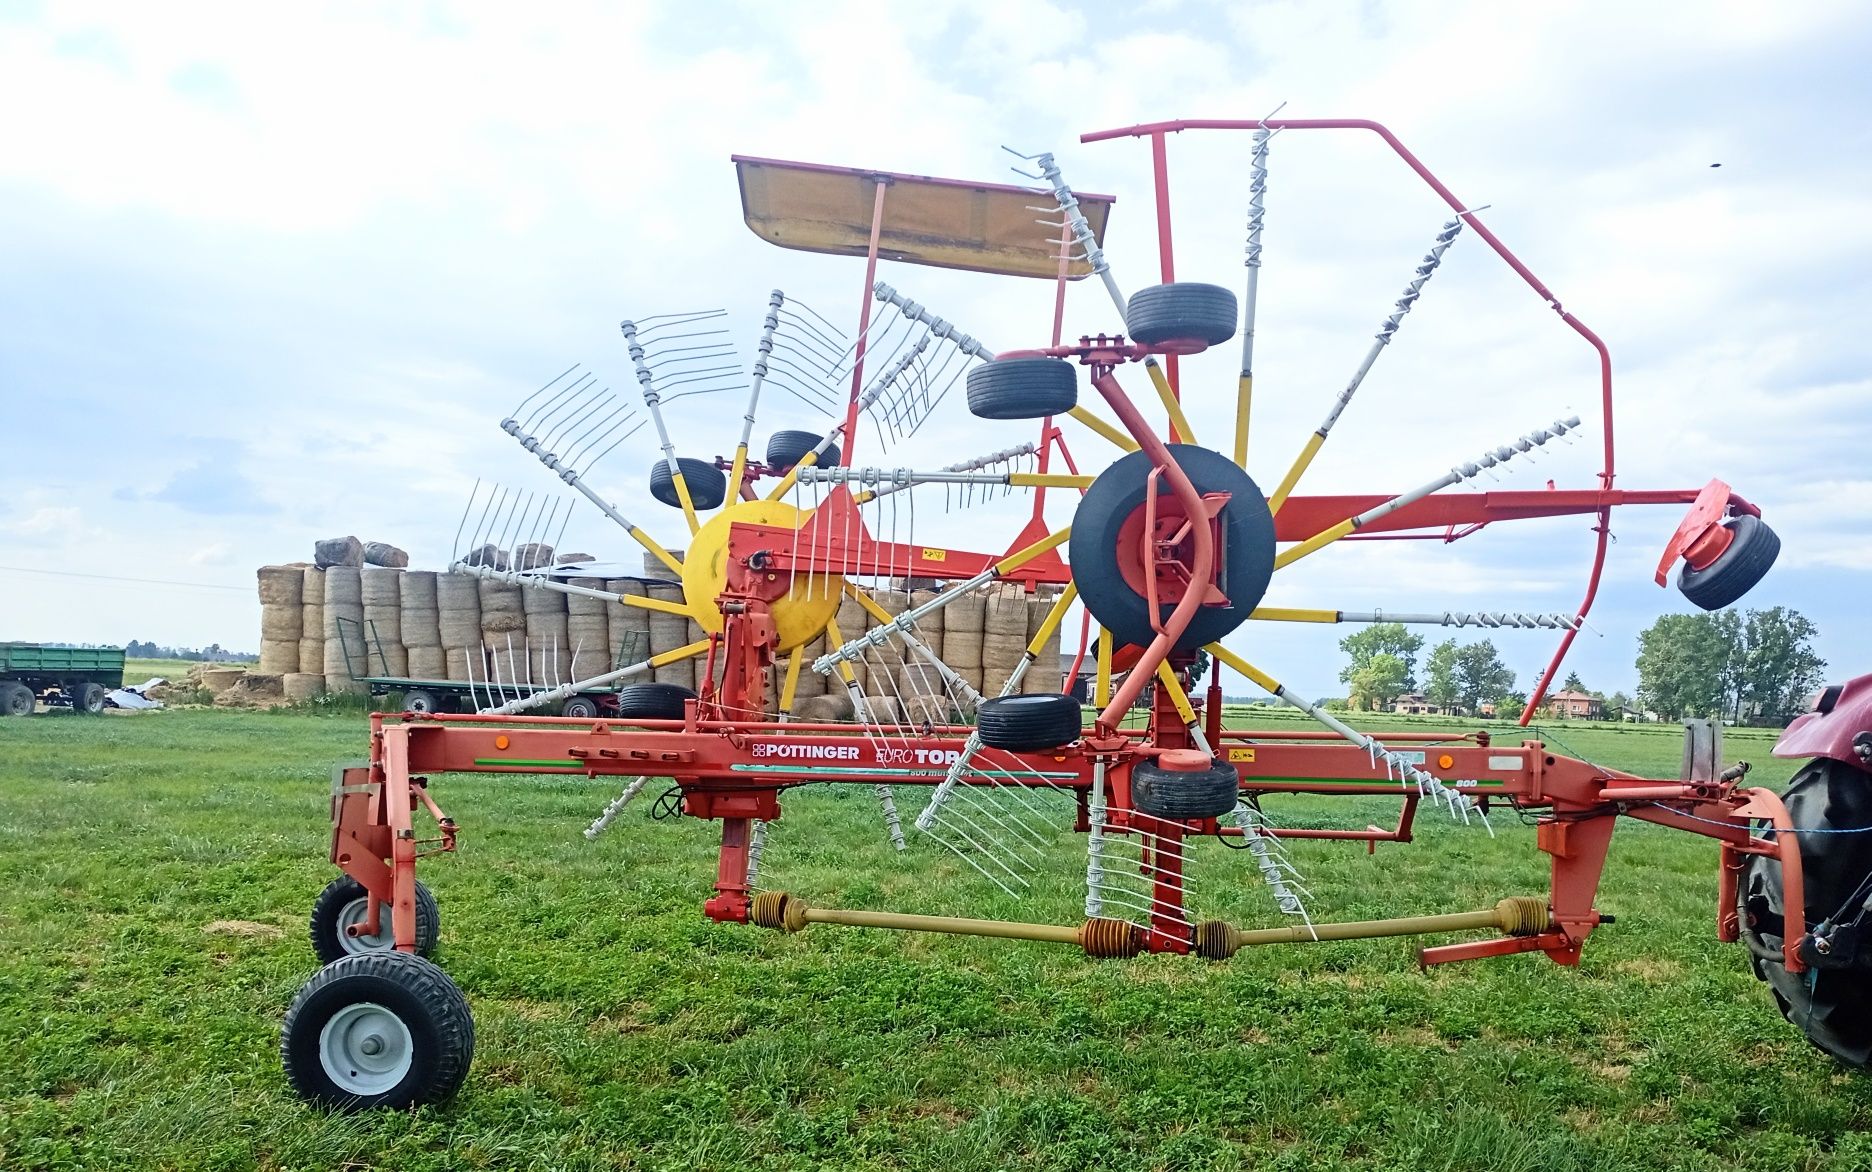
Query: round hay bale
{"points": [[312, 654], [823, 709], [506, 664], [1005, 613], [380, 587], [965, 614], [457, 592], [495, 595], [220, 679], [281, 585], [422, 626], [883, 709], [961, 649], [301, 686], [383, 624], [458, 629], [344, 586], [589, 638], [312, 587], [501, 622], [382, 553], [547, 631], [930, 627], [585, 604], [337, 551], [654, 567], [682, 674], [920, 710], [335, 663], [428, 663], [281, 622], [540, 600], [389, 659], [418, 591], [343, 685], [279, 656], [456, 663]]}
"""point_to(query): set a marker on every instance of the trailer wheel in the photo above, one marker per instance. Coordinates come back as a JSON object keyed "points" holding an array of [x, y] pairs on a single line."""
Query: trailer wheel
{"points": [[1184, 311], [1734, 573], [787, 448], [1828, 1005], [706, 483], [422, 701], [1022, 724], [88, 699], [1022, 388], [385, 1029], [580, 707], [16, 699], [1179, 796], [652, 701], [344, 902]]}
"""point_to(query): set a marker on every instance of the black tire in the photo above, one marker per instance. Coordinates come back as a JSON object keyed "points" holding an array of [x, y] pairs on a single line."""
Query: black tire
{"points": [[580, 708], [1022, 388], [352, 1002], [343, 903], [421, 700], [1042, 720], [652, 701], [1247, 557], [1750, 554], [1179, 797], [88, 699], [1828, 1005], [787, 448], [707, 484], [16, 699], [1181, 312]]}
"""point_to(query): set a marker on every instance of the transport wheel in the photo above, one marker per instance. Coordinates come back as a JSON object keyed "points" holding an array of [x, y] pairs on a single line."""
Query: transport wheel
{"points": [[88, 699], [344, 902], [1829, 1005], [1183, 311], [1107, 541], [787, 448], [421, 700], [1042, 720], [1734, 573], [382, 1029], [1022, 388], [1182, 795], [16, 699], [652, 701], [707, 485], [581, 707]]}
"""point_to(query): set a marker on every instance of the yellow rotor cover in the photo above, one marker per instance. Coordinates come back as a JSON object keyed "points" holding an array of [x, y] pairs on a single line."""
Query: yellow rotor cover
{"points": [[801, 616]]}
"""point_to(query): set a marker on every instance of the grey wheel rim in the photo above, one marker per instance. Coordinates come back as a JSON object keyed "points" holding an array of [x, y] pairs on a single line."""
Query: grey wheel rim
{"points": [[355, 913], [366, 1049]]}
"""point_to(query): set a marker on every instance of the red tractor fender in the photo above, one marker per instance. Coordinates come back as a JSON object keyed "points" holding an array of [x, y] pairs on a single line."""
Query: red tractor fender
{"points": [[1837, 728]]}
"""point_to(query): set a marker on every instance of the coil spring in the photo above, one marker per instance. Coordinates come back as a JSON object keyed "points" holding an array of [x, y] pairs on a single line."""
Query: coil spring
{"points": [[778, 910], [1110, 939], [1215, 940], [1524, 915]]}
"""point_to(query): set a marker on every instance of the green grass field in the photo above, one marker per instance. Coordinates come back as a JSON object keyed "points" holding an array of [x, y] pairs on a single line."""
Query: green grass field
{"points": [[156, 869]]}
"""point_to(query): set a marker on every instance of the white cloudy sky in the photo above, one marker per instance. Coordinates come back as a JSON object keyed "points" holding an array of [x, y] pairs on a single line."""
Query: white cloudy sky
{"points": [[270, 278]]}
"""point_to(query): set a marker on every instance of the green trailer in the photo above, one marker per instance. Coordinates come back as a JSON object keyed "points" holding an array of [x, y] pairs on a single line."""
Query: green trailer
{"points": [[63, 677], [367, 665]]}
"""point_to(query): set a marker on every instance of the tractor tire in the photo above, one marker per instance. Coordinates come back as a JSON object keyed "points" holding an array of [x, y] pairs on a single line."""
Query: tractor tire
{"points": [[787, 448], [1022, 388], [1733, 574], [1247, 554], [1184, 311], [16, 699], [706, 483], [344, 902], [1181, 796], [652, 701], [421, 701], [580, 708], [383, 1029], [88, 699], [1828, 1005], [1022, 724]]}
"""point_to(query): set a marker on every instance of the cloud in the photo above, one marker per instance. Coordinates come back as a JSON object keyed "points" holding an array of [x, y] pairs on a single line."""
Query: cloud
{"points": [[212, 490]]}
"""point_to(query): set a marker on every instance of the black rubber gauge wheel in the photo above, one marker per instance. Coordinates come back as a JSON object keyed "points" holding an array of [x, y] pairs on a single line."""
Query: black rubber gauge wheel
{"points": [[1023, 388], [1042, 720], [344, 902], [707, 484], [652, 701], [1734, 573], [1180, 796], [1183, 311], [787, 448], [383, 1029]]}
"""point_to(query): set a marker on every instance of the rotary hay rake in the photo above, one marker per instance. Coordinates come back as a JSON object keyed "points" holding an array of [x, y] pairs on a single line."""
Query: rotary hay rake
{"points": [[1171, 548]]}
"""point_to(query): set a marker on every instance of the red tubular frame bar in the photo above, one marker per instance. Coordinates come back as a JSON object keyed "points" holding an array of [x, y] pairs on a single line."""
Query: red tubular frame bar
{"points": [[1156, 131]]}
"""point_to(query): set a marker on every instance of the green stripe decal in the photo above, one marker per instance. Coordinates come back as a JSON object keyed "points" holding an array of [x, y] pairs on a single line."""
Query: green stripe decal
{"points": [[518, 761]]}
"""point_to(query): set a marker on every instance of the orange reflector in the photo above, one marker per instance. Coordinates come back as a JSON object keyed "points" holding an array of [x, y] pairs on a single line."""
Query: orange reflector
{"points": [[1446, 761], [501, 742]]}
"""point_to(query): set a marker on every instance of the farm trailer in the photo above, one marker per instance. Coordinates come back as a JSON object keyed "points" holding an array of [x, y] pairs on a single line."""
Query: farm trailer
{"points": [[66, 677]]}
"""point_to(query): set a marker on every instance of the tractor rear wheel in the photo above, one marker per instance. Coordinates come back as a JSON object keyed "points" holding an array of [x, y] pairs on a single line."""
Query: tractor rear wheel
{"points": [[1829, 1005], [16, 699], [384, 1029], [344, 902]]}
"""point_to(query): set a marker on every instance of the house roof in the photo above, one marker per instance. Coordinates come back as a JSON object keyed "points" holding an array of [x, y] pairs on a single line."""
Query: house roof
{"points": [[1570, 695]]}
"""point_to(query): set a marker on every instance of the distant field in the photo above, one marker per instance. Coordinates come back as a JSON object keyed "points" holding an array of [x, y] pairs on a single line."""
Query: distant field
{"points": [[138, 670], [156, 869]]}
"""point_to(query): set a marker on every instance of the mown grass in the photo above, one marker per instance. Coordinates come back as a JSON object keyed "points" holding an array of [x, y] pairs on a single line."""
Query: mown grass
{"points": [[155, 871]]}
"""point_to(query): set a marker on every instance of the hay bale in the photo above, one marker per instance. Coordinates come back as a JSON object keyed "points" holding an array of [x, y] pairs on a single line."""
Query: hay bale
{"points": [[883, 709], [220, 679], [418, 591], [506, 663], [589, 638], [966, 613], [491, 556], [428, 663], [252, 690], [382, 553], [502, 607], [458, 630], [921, 710], [312, 612], [540, 600], [457, 592], [344, 586], [457, 665], [1047, 673], [962, 650], [573, 559], [300, 686], [281, 623], [337, 551], [279, 656], [654, 567], [823, 709], [380, 587], [531, 556], [585, 604], [312, 653], [422, 627], [1005, 613], [390, 659], [1001, 654], [281, 585], [343, 685]]}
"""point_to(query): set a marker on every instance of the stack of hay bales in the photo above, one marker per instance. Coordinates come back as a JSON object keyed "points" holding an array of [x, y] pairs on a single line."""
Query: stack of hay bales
{"points": [[1004, 637], [963, 621], [667, 633], [853, 620], [503, 630], [549, 655], [458, 625], [422, 626], [1047, 673], [382, 592], [282, 615], [311, 639], [588, 628], [344, 604], [629, 625], [924, 694]]}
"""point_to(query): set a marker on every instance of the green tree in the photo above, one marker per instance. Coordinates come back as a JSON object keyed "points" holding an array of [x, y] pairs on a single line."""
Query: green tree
{"points": [[1778, 667], [1684, 662], [1392, 639], [1481, 676], [1440, 685], [1379, 681], [1573, 683]]}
